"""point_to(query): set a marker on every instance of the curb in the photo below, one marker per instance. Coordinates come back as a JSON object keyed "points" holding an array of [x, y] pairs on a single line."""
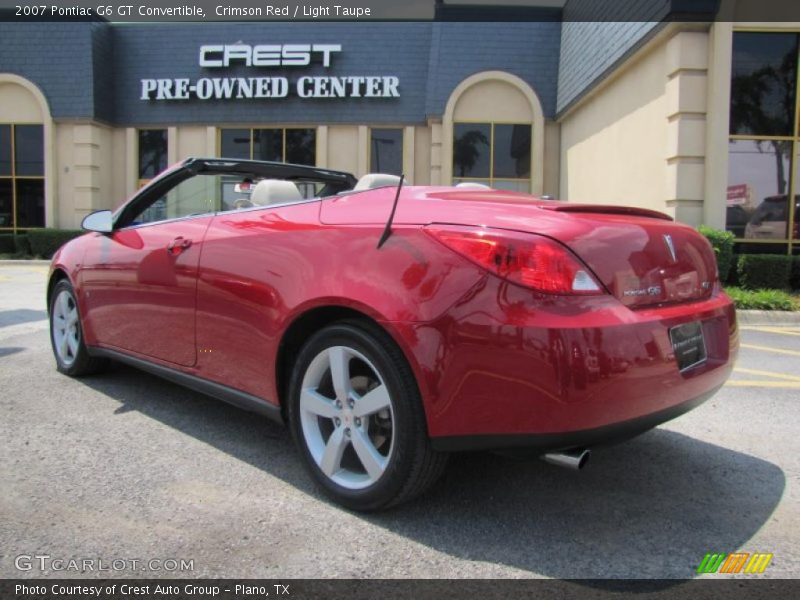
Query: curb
{"points": [[768, 317], [23, 262]]}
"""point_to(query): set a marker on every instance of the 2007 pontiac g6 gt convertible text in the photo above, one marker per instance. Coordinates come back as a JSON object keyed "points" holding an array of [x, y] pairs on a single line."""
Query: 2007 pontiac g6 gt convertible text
{"points": [[389, 325]]}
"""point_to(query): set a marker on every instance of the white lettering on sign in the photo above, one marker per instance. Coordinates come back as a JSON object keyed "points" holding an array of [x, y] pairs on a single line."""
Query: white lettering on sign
{"points": [[227, 88], [266, 55], [217, 88], [216, 56]]}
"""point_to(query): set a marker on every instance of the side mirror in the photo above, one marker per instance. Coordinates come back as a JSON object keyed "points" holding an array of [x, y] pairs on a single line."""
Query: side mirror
{"points": [[99, 221]]}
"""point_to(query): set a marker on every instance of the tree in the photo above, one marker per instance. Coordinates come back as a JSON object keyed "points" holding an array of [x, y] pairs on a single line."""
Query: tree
{"points": [[466, 152], [763, 103]]}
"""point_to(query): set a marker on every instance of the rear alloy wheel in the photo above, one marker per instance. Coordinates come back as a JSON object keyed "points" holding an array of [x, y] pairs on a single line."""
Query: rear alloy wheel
{"points": [[357, 417], [66, 334]]}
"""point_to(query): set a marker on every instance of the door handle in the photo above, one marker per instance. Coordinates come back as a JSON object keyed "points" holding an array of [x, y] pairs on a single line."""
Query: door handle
{"points": [[178, 245]]}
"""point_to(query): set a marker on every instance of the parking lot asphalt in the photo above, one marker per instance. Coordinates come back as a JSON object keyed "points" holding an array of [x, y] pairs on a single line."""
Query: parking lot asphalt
{"points": [[124, 466]]}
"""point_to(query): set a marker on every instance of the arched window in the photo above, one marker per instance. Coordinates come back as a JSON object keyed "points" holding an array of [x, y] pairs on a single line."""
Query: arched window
{"points": [[493, 133], [24, 126]]}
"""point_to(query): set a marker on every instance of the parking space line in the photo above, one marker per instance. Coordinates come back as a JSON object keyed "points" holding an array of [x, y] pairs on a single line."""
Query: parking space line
{"points": [[767, 374], [770, 349], [765, 329], [788, 385]]}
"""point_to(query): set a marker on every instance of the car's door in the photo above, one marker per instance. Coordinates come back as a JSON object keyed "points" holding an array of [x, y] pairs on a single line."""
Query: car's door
{"points": [[139, 283], [248, 277]]}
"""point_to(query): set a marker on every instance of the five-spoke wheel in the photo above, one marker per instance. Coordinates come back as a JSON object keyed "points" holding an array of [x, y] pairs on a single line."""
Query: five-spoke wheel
{"points": [[356, 414], [66, 334], [66, 328], [346, 414]]}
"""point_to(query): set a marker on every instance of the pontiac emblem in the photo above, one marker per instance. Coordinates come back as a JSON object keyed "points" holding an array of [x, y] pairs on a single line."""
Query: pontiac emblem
{"points": [[670, 247]]}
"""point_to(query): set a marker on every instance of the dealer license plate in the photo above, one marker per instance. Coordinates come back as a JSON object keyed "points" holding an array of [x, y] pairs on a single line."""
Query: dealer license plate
{"points": [[688, 345]]}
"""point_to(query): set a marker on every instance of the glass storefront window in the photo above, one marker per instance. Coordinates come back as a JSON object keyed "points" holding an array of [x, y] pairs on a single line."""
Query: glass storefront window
{"points": [[235, 143], [471, 150], [5, 150], [268, 144], [763, 84], [758, 186], [28, 150], [294, 145], [763, 168], [6, 203], [301, 146], [152, 153], [512, 151], [30, 203], [21, 176], [386, 151], [495, 154], [795, 216]]}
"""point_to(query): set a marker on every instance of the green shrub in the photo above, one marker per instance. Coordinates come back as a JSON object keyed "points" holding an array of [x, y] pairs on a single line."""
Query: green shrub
{"points": [[45, 242], [794, 279], [764, 271], [761, 299], [22, 246], [6, 243], [733, 274], [722, 242]]}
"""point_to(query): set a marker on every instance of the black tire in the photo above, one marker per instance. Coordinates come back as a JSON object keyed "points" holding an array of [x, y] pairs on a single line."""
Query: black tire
{"points": [[79, 363], [413, 466]]}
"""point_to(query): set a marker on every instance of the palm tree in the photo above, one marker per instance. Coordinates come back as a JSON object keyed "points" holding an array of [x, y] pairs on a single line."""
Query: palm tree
{"points": [[466, 152]]}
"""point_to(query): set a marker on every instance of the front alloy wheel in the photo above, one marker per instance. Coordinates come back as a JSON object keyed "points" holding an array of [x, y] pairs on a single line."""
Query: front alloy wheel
{"points": [[66, 334], [356, 414], [65, 327]]}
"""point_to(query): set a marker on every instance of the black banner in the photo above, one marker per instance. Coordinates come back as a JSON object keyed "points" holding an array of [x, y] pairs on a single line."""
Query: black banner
{"points": [[738, 588], [409, 10]]}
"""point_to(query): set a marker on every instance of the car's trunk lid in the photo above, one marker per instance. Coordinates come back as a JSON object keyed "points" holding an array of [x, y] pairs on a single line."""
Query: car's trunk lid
{"points": [[645, 261], [640, 255]]}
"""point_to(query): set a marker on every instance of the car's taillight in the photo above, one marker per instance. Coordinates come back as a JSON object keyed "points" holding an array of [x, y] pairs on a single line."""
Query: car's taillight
{"points": [[533, 261]]}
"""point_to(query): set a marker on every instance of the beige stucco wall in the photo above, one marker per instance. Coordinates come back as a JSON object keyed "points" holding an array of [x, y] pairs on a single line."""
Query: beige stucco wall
{"points": [[191, 141], [343, 148], [613, 145], [18, 105], [552, 159], [493, 100], [642, 138], [422, 156], [119, 189], [65, 179], [87, 171]]}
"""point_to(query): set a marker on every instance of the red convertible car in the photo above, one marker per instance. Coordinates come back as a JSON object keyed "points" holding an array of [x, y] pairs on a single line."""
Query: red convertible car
{"points": [[390, 325]]}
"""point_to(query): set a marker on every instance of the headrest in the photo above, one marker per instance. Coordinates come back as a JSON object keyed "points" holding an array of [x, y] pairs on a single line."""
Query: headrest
{"points": [[375, 180], [474, 185], [274, 191]]}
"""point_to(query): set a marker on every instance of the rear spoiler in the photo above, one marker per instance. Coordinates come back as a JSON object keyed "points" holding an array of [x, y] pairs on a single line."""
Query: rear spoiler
{"points": [[606, 210]]}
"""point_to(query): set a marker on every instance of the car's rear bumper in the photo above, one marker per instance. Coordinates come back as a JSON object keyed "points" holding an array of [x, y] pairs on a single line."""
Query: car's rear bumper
{"points": [[568, 440], [501, 370]]}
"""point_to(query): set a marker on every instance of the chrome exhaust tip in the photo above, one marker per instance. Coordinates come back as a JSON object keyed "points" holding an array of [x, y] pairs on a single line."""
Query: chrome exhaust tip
{"points": [[574, 459]]}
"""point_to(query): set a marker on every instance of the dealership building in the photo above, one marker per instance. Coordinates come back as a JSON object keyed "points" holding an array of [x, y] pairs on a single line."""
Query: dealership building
{"points": [[695, 119]]}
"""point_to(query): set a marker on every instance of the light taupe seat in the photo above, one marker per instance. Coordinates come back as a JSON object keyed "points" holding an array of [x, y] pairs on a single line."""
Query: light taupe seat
{"points": [[274, 191], [473, 185], [375, 180]]}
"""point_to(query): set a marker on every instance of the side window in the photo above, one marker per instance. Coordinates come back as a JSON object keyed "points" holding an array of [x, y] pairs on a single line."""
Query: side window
{"points": [[244, 191], [198, 195]]}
